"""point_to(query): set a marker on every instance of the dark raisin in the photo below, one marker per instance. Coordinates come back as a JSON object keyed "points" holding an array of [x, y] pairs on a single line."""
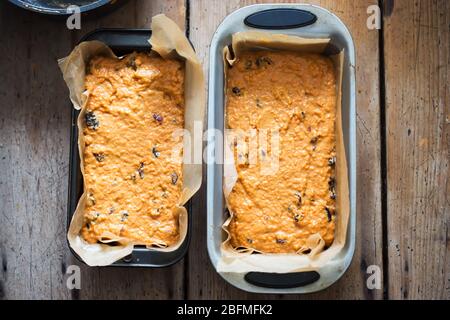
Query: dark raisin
{"points": [[248, 64], [332, 193], [174, 177], [141, 170], [124, 216], [155, 152], [303, 114], [158, 117], [299, 198], [131, 62], [91, 120], [258, 103], [298, 217], [236, 91], [261, 61], [332, 183], [314, 140], [332, 161], [329, 214], [91, 199], [88, 226], [100, 157], [281, 241], [249, 240]]}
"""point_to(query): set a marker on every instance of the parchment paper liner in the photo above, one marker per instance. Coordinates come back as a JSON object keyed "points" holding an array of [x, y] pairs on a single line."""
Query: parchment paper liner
{"points": [[246, 260], [169, 42]]}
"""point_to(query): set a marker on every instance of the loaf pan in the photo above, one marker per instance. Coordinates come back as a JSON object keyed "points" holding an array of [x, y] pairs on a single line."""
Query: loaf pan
{"points": [[121, 41], [306, 21]]}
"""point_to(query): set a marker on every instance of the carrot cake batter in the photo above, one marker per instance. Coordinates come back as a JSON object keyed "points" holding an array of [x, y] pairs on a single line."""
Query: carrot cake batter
{"points": [[132, 179], [294, 93]]}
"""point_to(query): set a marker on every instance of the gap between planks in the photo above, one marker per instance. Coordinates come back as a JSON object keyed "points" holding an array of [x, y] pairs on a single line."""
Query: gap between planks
{"points": [[383, 155]]}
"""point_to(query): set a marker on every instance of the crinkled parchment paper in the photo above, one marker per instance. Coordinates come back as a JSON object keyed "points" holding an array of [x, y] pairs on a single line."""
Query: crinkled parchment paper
{"points": [[169, 42], [247, 259]]}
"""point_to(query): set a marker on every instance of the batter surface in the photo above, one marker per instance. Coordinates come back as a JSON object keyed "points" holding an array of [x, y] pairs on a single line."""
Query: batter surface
{"points": [[133, 180], [295, 94]]}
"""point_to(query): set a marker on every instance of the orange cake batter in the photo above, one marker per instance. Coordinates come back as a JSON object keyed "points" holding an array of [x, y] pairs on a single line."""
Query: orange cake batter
{"points": [[295, 94], [132, 179]]}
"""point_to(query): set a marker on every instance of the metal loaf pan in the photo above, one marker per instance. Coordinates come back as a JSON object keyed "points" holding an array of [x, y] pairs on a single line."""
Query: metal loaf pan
{"points": [[121, 41], [307, 21]]}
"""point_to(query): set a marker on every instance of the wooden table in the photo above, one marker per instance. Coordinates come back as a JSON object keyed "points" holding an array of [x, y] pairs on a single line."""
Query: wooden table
{"points": [[403, 139]]}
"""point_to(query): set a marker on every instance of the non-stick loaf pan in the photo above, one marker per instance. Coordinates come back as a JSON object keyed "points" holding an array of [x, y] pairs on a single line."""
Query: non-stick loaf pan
{"points": [[121, 41], [307, 21]]}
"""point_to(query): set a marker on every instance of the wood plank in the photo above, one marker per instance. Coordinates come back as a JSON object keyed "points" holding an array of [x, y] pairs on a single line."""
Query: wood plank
{"points": [[126, 283], [34, 155], [417, 46], [34, 140], [203, 280]]}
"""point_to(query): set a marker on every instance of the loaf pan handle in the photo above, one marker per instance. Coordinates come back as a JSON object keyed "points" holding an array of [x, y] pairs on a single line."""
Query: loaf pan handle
{"points": [[281, 280], [121, 39], [280, 18]]}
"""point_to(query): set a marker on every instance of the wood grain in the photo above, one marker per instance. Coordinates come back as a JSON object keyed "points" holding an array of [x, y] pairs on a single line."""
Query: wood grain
{"points": [[417, 70], [34, 156], [34, 142], [203, 282]]}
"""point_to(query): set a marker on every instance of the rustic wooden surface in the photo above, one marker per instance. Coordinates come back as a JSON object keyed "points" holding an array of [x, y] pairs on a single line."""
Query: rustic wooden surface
{"points": [[417, 77], [402, 135]]}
